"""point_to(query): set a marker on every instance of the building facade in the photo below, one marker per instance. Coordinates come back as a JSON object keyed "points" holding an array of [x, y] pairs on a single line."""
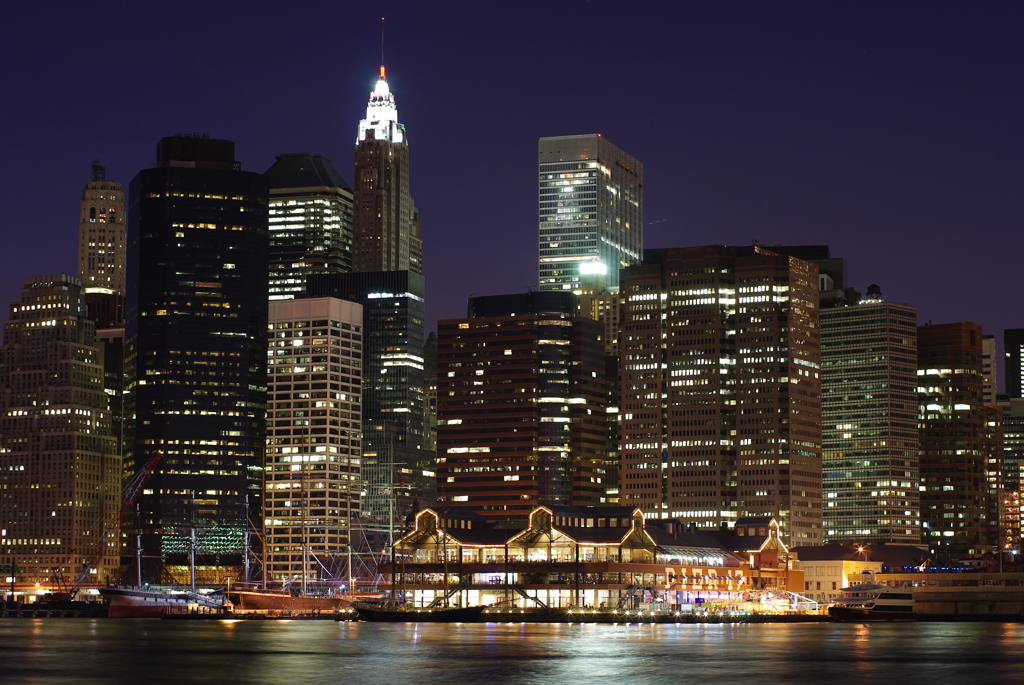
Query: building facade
{"points": [[720, 399], [398, 473], [869, 422], [1013, 471], [310, 222], [590, 211], [959, 440], [521, 407], [101, 234], [387, 227], [60, 471], [313, 476], [1013, 367], [196, 350]]}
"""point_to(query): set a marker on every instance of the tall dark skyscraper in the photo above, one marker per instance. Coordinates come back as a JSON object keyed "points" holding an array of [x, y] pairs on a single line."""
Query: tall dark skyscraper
{"points": [[310, 222], [387, 233], [521, 406], [720, 400], [961, 447], [196, 347], [395, 462], [1013, 369]]}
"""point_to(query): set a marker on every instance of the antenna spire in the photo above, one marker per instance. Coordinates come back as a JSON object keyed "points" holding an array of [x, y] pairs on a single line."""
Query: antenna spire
{"points": [[382, 47]]}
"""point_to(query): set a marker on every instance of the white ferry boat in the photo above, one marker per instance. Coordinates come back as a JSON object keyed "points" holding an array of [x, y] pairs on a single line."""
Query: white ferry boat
{"points": [[874, 602]]}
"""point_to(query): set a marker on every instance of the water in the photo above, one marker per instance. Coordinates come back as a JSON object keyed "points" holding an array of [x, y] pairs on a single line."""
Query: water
{"points": [[60, 651]]}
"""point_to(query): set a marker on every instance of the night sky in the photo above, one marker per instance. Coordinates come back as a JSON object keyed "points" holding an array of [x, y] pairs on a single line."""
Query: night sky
{"points": [[892, 132]]}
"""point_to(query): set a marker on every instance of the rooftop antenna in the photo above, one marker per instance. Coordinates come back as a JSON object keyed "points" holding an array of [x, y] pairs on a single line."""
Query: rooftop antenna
{"points": [[382, 47]]}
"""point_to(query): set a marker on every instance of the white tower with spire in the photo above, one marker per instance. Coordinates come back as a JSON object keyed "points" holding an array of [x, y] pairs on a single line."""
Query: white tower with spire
{"points": [[382, 114]]}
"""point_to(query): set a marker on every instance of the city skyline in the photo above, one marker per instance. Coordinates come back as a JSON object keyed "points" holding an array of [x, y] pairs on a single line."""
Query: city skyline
{"points": [[865, 128]]}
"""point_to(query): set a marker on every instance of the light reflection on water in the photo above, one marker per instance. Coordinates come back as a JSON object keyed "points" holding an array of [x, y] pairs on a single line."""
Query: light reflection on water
{"points": [[73, 651]]}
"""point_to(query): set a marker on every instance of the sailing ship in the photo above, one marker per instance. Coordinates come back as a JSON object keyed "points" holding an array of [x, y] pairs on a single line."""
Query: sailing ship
{"points": [[143, 601]]}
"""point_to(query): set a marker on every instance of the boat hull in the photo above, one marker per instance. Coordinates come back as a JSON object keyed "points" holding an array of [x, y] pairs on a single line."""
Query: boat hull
{"points": [[135, 603], [860, 615], [244, 600], [451, 615]]}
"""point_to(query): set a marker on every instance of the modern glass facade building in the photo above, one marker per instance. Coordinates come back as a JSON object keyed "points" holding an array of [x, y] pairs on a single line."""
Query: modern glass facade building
{"points": [[869, 423], [196, 349], [60, 471], [590, 211], [310, 222], [313, 478], [397, 470], [720, 395]]}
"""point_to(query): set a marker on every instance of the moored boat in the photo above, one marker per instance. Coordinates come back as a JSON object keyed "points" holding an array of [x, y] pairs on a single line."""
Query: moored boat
{"points": [[127, 602], [411, 615], [874, 602], [247, 600]]}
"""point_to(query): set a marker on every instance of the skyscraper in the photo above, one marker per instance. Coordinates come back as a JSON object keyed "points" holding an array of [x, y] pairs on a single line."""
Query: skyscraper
{"points": [[313, 480], [988, 369], [101, 234], [1013, 368], [387, 227], [521, 406], [196, 346], [397, 470], [60, 472], [310, 222], [720, 400], [869, 422], [590, 211], [101, 249], [960, 442]]}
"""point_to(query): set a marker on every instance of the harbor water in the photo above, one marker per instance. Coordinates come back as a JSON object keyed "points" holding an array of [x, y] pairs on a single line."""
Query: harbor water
{"points": [[73, 651]]}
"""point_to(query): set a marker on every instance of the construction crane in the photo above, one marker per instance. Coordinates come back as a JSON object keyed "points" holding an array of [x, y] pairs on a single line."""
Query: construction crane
{"points": [[129, 496]]}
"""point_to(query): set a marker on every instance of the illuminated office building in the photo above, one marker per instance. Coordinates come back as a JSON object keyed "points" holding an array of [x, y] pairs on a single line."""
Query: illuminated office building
{"points": [[196, 348], [386, 225], [590, 211], [521, 406], [720, 400], [310, 222], [961, 447], [313, 479], [60, 471], [397, 471], [869, 422]]}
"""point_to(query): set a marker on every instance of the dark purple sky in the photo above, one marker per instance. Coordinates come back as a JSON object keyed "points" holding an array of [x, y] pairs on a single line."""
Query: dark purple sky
{"points": [[894, 132]]}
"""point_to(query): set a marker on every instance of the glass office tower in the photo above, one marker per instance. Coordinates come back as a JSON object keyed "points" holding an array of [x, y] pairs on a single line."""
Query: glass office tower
{"points": [[196, 350], [590, 211]]}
